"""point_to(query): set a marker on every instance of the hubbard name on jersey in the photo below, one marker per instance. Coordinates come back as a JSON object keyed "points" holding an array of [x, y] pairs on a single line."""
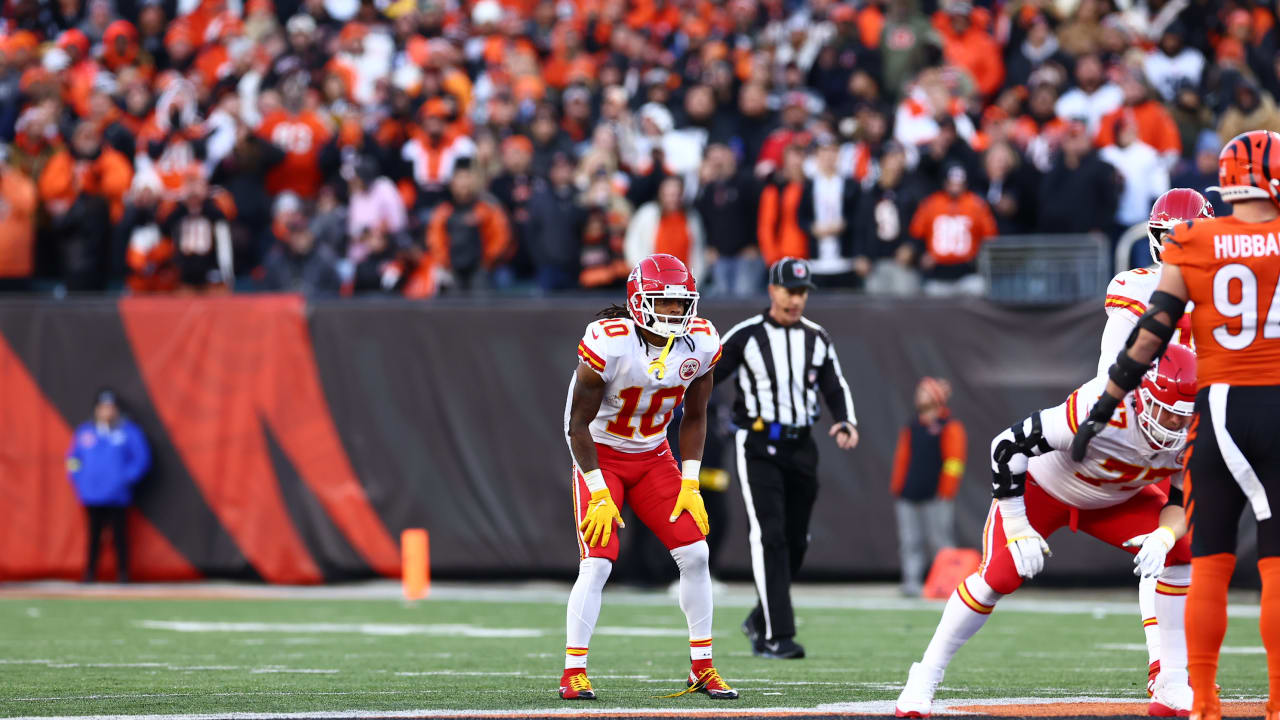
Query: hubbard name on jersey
{"points": [[1127, 298], [1120, 461], [639, 400]]}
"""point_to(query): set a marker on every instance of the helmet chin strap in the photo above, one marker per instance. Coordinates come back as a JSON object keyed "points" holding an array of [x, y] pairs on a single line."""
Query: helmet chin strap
{"points": [[660, 365]]}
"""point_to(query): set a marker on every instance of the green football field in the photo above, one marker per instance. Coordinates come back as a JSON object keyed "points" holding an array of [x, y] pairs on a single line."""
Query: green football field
{"points": [[191, 651]]}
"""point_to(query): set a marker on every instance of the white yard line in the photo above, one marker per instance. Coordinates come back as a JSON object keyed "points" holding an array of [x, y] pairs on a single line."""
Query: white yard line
{"points": [[1226, 649], [944, 707]]}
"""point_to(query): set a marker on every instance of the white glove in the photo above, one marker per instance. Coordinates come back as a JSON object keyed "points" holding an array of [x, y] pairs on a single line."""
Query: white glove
{"points": [[1149, 562], [1026, 545]]}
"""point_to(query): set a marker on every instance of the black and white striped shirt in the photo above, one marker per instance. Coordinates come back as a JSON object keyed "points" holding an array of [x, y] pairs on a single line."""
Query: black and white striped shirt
{"points": [[780, 370]]}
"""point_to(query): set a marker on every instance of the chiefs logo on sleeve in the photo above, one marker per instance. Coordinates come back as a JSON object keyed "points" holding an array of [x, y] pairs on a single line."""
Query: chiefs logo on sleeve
{"points": [[689, 368]]}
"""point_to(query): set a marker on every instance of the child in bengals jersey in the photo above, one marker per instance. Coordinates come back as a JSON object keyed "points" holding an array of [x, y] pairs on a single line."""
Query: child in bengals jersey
{"points": [[1111, 494], [1126, 301], [1229, 268], [635, 367]]}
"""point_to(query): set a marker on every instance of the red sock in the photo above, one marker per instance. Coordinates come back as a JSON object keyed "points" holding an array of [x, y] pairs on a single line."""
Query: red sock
{"points": [[1269, 624], [1206, 623]]}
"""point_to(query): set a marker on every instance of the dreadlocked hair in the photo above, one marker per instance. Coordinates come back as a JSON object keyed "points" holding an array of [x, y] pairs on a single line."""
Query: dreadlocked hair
{"points": [[614, 312]]}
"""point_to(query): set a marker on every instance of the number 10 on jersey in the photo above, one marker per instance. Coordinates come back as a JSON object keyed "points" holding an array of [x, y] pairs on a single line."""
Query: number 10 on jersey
{"points": [[622, 424]]}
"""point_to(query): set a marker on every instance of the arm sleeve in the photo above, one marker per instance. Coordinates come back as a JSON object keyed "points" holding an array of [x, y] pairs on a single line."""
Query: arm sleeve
{"points": [[1123, 312], [901, 458], [954, 452], [834, 388]]}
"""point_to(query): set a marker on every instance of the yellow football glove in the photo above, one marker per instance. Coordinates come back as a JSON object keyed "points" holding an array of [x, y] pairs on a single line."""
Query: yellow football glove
{"points": [[597, 526], [690, 499]]}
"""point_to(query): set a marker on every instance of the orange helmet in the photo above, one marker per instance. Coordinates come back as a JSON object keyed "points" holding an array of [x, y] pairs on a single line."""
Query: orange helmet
{"points": [[1249, 167]]}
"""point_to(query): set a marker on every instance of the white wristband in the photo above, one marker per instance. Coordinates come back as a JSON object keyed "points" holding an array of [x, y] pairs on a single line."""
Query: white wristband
{"points": [[691, 469], [595, 480]]}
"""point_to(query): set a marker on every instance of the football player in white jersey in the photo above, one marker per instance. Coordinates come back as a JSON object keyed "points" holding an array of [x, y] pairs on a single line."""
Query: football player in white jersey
{"points": [[1126, 301], [635, 367], [1111, 495]]}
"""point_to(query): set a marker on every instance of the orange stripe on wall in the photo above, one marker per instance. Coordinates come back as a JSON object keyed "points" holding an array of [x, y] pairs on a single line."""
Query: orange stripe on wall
{"points": [[44, 534], [214, 369]]}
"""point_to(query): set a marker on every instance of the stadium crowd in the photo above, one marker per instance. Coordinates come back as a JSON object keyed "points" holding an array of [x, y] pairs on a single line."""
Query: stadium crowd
{"points": [[417, 147]]}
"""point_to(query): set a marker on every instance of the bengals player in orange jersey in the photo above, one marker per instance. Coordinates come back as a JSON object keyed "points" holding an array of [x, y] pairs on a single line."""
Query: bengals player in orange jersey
{"points": [[1230, 268]]}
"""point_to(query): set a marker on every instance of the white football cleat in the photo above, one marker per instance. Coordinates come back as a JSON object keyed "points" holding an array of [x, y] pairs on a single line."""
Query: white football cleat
{"points": [[916, 698], [1170, 699]]}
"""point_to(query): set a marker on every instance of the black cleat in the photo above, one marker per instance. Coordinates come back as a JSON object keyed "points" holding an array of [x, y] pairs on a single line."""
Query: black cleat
{"points": [[784, 649]]}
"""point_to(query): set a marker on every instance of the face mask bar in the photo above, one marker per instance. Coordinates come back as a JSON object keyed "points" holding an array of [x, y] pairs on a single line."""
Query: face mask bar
{"points": [[1153, 411], [663, 324]]}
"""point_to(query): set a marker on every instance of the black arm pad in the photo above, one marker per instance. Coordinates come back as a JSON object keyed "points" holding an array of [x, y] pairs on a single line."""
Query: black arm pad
{"points": [[1005, 484], [1162, 301], [1127, 372], [1175, 497]]}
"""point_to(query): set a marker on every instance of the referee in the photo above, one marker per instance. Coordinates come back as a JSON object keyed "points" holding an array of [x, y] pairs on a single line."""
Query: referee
{"points": [[781, 362]]}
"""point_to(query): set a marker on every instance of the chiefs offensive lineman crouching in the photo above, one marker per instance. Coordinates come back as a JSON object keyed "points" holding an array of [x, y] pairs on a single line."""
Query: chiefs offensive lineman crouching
{"points": [[636, 365], [1110, 493]]}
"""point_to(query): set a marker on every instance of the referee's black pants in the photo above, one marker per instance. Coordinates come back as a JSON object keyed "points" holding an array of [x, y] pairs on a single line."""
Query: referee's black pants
{"points": [[779, 481]]}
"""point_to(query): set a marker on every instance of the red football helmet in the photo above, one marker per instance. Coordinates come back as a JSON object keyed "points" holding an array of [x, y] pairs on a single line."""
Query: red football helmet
{"points": [[1249, 167], [1168, 389], [662, 276], [1175, 206]]}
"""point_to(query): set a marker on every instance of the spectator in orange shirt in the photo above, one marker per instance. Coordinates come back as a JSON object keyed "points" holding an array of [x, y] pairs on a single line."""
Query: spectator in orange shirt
{"points": [[779, 227], [927, 468], [17, 228], [468, 235], [301, 134], [1155, 125], [952, 224], [83, 189], [667, 225], [971, 47]]}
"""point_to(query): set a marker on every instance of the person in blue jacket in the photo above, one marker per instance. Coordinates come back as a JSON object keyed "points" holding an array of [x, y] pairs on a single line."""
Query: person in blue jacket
{"points": [[108, 456]]}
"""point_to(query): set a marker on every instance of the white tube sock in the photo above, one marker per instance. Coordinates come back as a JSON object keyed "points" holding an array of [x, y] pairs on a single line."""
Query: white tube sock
{"points": [[695, 594], [584, 609], [1150, 623], [967, 611], [1171, 609]]}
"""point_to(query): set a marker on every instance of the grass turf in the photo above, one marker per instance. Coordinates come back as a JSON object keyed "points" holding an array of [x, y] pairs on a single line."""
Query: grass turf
{"points": [[72, 656]]}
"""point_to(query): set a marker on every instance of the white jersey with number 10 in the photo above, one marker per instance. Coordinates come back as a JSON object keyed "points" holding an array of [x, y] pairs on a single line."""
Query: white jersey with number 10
{"points": [[638, 405]]}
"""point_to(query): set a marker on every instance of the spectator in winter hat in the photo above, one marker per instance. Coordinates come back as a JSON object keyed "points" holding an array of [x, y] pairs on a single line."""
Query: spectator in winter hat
{"points": [[1172, 63], [109, 455], [971, 47], [1250, 109], [928, 466]]}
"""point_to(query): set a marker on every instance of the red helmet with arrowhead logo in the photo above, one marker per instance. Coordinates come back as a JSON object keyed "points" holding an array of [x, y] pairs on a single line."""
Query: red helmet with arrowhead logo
{"points": [[658, 277], [1166, 399], [1175, 206]]}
